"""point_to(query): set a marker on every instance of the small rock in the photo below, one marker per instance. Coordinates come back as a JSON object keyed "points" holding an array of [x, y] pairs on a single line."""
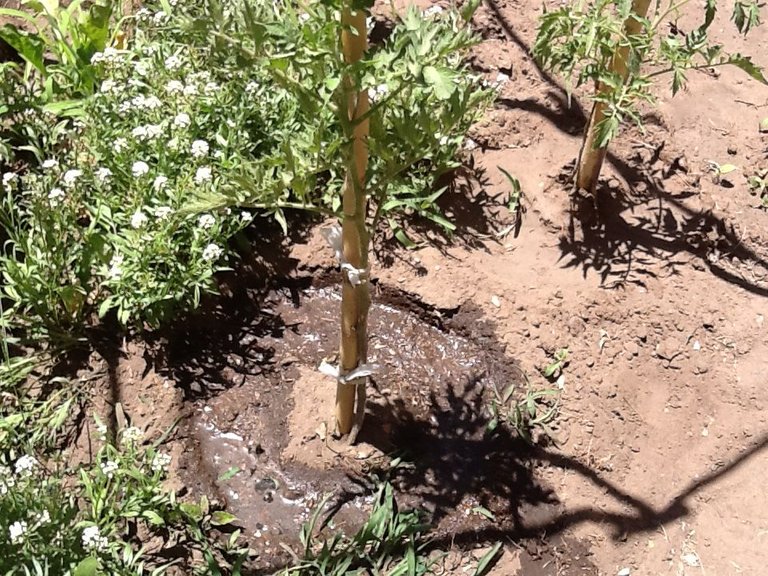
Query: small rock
{"points": [[732, 150], [624, 572], [632, 348], [496, 301], [590, 362], [614, 184]]}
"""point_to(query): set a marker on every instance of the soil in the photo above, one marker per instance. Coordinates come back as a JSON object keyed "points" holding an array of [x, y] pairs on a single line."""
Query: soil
{"points": [[658, 295]]}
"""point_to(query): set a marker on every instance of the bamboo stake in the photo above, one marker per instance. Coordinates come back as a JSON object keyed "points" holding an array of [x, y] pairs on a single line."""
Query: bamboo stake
{"points": [[355, 299], [592, 157]]}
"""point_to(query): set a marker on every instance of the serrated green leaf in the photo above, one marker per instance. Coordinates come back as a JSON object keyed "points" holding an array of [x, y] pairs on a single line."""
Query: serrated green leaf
{"points": [[441, 81], [745, 63]]}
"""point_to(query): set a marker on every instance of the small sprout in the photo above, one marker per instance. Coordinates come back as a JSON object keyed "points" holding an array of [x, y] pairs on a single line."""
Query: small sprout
{"points": [[720, 170], [764, 126]]}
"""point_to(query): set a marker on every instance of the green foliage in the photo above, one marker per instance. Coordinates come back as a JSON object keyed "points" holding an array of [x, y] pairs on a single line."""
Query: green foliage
{"points": [[213, 108], [385, 545], [580, 40], [58, 41]]}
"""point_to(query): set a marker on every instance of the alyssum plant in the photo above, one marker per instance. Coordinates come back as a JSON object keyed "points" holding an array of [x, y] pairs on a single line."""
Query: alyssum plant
{"points": [[620, 46]]}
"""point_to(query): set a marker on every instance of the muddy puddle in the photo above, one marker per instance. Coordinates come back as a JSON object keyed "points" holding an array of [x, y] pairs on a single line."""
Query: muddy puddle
{"points": [[263, 446]]}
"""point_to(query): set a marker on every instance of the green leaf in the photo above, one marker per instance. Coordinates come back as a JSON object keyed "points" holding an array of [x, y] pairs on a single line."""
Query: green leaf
{"points": [[29, 46], [484, 512], [485, 562], [153, 517], [746, 64], [727, 169], [221, 518], [193, 511], [87, 567], [229, 474], [441, 81]]}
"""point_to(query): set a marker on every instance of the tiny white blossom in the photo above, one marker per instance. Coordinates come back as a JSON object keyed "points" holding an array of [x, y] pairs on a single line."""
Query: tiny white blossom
{"points": [[160, 182], [92, 539], [138, 219], [182, 120], [199, 148], [161, 462], [190, 90], [109, 468], [71, 176], [25, 465], [443, 140], [203, 174], [206, 221], [139, 169], [103, 174], [174, 87], [8, 177], [212, 252], [141, 67], [432, 11], [303, 17], [119, 145], [43, 518], [246, 216], [173, 144], [115, 271], [160, 18], [210, 88], [131, 435], [375, 93], [50, 163], [16, 531], [251, 87], [109, 86], [56, 196], [143, 15], [162, 212]]}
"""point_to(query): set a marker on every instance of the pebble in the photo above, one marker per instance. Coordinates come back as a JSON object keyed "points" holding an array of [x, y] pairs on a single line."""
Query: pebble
{"points": [[632, 348], [624, 572], [496, 301]]}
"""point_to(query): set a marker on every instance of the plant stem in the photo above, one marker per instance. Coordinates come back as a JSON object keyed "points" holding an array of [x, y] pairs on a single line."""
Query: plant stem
{"points": [[592, 156], [355, 299]]}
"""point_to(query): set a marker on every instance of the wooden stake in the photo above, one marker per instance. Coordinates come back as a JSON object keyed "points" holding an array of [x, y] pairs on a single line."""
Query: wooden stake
{"points": [[355, 299], [592, 157]]}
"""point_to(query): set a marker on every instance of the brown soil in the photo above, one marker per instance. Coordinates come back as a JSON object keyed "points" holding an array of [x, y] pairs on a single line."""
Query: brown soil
{"points": [[659, 298]]}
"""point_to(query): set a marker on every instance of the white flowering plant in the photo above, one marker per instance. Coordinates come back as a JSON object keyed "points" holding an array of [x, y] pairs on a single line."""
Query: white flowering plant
{"points": [[90, 527], [199, 122]]}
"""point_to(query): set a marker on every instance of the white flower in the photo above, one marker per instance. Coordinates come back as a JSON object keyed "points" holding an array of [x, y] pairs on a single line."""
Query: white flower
{"points": [[173, 144], [470, 144], [143, 15], [25, 465], [206, 221], [119, 145], [71, 176], [138, 219], [43, 518], [148, 132], [432, 11], [443, 140], [212, 252], [131, 435], [210, 88], [190, 90], [174, 87], [109, 468], [182, 120], [161, 462], [141, 67], [8, 177], [377, 92], [115, 271], [109, 86], [103, 174], [109, 56], [162, 212], [199, 148], [303, 17], [160, 182], [7, 481], [251, 87], [160, 18], [92, 539], [203, 174], [246, 216], [50, 163], [17, 531], [139, 169], [56, 196]]}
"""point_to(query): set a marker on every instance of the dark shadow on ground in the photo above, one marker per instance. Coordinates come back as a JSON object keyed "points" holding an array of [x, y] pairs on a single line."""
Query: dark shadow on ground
{"points": [[624, 248]]}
